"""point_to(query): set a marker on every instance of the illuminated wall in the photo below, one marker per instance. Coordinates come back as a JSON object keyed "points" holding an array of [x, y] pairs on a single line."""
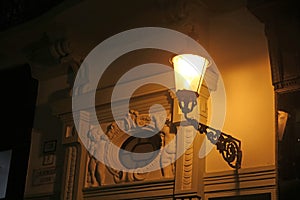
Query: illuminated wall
{"points": [[239, 47], [234, 39]]}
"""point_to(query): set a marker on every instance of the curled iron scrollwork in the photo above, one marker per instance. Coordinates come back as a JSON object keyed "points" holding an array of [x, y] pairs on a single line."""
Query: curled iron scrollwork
{"points": [[228, 146], [213, 136]]}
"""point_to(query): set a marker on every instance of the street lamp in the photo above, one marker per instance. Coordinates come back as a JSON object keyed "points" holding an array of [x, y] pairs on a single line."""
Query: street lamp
{"points": [[189, 72]]}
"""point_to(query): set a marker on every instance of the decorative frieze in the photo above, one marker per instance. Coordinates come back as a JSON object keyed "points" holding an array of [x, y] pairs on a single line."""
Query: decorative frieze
{"points": [[71, 156], [135, 143], [188, 158]]}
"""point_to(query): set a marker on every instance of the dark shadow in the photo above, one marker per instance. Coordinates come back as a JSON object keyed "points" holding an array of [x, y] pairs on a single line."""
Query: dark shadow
{"points": [[18, 99], [289, 147]]}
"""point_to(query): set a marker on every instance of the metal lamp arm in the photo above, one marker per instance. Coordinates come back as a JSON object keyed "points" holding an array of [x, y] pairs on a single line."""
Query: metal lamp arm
{"points": [[228, 146]]}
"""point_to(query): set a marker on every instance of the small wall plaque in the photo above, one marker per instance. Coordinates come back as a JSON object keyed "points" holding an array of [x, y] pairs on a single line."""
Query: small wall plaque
{"points": [[49, 159], [49, 146], [43, 176]]}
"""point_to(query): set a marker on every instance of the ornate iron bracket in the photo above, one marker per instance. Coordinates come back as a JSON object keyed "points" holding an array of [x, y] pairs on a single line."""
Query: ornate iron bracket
{"points": [[228, 146]]}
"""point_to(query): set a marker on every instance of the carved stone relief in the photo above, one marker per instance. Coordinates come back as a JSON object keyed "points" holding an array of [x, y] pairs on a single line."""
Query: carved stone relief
{"points": [[168, 153], [188, 157], [71, 157], [96, 169], [137, 133]]}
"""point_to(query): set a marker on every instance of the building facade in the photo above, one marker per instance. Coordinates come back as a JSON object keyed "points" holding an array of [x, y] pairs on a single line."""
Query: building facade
{"points": [[239, 97]]}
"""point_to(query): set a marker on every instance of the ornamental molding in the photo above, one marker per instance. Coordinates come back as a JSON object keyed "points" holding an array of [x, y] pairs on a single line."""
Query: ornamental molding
{"points": [[132, 130]]}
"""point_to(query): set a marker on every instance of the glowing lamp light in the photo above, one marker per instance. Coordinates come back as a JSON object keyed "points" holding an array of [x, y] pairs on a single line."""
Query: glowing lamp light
{"points": [[189, 71]]}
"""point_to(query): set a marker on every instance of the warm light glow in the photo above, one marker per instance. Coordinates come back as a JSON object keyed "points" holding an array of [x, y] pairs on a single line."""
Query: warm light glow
{"points": [[282, 119], [189, 71]]}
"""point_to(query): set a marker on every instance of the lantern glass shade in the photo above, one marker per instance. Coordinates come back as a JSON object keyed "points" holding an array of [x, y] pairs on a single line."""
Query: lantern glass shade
{"points": [[189, 71]]}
